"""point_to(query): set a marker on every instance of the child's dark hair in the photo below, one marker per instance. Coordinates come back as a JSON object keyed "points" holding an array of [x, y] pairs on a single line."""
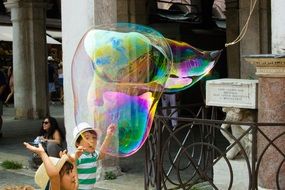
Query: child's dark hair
{"points": [[78, 140], [66, 168]]}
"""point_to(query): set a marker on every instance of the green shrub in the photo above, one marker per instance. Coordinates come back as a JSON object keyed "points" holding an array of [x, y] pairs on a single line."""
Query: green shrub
{"points": [[110, 176], [11, 165]]}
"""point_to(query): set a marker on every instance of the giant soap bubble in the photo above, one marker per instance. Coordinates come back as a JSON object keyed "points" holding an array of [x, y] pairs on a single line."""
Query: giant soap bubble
{"points": [[120, 71]]}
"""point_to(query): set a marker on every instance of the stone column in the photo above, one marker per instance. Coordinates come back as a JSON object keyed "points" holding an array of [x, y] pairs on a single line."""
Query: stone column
{"points": [[278, 26], [29, 58], [271, 72], [137, 11]]}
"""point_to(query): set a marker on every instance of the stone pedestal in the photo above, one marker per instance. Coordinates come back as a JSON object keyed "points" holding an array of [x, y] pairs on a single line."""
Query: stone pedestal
{"points": [[238, 97], [271, 72], [29, 57]]}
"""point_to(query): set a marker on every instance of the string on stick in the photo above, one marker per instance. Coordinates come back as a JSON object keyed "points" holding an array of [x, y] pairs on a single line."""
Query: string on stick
{"points": [[245, 27]]}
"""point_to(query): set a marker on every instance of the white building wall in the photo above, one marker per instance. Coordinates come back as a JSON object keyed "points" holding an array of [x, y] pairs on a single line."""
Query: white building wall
{"points": [[77, 18], [278, 26]]}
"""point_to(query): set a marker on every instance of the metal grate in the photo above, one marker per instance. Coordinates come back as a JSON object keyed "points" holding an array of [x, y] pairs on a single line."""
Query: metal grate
{"points": [[187, 156]]}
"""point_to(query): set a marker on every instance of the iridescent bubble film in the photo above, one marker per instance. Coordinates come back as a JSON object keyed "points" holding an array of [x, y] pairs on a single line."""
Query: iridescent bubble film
{"points": [[189, 65], [120, 71]]}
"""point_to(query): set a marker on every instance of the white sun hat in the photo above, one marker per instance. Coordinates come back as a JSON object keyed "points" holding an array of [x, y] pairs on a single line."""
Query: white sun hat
{"points": [[81, 128], [41, 176]]}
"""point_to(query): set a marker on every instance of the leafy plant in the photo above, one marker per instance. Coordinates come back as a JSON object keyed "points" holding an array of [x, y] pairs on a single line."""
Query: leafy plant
{"points": [[110, 176], [11, 165]]}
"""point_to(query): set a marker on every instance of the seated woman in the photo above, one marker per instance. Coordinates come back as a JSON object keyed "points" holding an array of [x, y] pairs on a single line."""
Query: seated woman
{"points": [[54, 173], [52, 136]]}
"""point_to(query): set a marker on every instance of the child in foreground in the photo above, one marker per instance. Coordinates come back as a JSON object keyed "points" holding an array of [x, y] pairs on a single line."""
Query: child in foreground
{"points": [[54, 173], [86, 156]]}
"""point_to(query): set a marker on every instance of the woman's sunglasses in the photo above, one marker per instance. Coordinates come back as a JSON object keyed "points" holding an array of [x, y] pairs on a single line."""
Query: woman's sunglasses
{"points": [[45, 122]]}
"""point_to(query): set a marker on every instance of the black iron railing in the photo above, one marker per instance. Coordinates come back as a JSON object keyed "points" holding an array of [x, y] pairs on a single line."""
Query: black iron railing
{"points": [[191, 154]]}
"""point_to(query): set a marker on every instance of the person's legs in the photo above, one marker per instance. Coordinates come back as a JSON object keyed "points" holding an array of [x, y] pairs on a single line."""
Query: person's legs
{"points": [[174, 113], [51, 89], [170, 100], [60, 81], [35, 161], [1, 120], [9, 96], [61, 95], [164, 102]]}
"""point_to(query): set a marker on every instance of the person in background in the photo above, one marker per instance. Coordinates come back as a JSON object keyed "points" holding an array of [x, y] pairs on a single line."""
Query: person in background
{"points": [[170, 100], [54, 173], [51, 78], [51, 135], [60, 82], [11, 85], [2, 88]]}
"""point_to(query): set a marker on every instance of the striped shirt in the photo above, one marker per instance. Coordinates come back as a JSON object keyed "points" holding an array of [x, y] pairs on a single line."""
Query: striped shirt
{"points": [[86, 170]]}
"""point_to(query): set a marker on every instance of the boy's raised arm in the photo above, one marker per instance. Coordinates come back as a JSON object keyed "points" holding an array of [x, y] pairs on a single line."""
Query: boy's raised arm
{"points": [[110, 133]]}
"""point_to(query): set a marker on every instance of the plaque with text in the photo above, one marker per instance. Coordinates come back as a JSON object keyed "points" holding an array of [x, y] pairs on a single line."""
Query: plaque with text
{"points": [[239, 93]]}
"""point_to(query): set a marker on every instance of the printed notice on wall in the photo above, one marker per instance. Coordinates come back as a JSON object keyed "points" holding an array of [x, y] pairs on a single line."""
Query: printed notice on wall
{"points": [[239, 93]]}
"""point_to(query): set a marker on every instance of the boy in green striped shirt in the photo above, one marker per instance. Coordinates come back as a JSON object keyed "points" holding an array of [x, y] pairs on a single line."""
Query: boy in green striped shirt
{"points": [[86, 156]]}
